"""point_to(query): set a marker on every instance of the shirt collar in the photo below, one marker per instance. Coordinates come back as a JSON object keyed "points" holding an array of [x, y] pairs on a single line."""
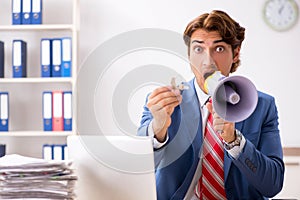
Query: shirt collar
{"points": [[202, 97]]}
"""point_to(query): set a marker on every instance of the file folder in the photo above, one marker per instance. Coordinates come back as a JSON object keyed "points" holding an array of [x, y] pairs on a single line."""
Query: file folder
{"points": [[19, 58], [26, 11], [57, 113], [47, 152], [2, 57], [67, 108], [66, 152], [66, 57], [16, 12], [4, 111], [36, 12], [46, 58], [47, 111], [58, 152], [2, 150], [56, 57]]}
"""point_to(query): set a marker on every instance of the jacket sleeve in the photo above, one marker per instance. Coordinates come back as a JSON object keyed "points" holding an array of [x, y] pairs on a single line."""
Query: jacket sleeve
{"points": [[261, 159], [143, 131]]}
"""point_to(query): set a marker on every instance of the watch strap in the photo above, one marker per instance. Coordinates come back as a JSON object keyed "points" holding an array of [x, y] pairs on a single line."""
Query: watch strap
{"points": [[236, 142]]}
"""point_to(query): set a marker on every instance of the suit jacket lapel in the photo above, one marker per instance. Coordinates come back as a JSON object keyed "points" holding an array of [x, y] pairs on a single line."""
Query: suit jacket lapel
{"points": [[189, 133], [192, 116]]}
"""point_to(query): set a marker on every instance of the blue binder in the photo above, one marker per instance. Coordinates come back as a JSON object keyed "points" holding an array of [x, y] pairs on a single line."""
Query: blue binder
{"points": [[19, 58], [36, 12], [47, 110], [46, 69], [16, 12], [4, 111], [56, 57], [65, 152], [47, 152], [2, 59], [26, 12], [67, 100], [2, 150], [58, 151], [66, 63]]}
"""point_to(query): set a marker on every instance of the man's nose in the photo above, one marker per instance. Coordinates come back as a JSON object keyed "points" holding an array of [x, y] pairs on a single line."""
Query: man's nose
{"points": [[207, 59]]}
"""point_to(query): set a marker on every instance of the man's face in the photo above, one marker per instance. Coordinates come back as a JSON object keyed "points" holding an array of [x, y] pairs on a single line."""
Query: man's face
{"points": [[208, 53]]}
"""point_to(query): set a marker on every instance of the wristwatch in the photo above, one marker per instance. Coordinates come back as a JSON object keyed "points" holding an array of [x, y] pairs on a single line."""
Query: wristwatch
{"points": [[236, 142]]}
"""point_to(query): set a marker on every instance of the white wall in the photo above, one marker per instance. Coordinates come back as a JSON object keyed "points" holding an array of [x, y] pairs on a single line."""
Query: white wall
{"points": [[269, 58]]}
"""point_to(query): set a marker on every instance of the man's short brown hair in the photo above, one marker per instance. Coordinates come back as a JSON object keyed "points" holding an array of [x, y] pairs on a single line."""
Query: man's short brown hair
{"points": [[231, 32]]}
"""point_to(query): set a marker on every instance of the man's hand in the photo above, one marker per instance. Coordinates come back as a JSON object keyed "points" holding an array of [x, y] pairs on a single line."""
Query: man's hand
{"points": [[225, 129], [161, 103]]}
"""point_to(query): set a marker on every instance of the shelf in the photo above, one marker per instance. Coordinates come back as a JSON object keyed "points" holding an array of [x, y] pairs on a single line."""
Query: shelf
{"points": [[36, 80], [36, 133], [61, 19], [41, 27]]}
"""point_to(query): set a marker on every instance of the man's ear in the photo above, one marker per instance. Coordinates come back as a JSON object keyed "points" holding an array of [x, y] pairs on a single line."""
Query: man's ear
{"points": [[236, 54]]}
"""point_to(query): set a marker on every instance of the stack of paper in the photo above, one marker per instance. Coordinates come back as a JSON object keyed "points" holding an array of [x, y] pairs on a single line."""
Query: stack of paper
{"points": [[25, 177]]}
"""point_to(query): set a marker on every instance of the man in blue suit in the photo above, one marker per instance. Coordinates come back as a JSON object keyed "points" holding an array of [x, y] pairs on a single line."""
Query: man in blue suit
{"points": [[253, 165]]}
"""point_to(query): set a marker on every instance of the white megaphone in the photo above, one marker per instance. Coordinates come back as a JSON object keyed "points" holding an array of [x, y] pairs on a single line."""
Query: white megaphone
{"points": [[234, 98]]}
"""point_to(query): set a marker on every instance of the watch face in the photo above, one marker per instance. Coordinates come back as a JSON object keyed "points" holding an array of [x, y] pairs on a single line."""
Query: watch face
{"points": [[281, 15]]}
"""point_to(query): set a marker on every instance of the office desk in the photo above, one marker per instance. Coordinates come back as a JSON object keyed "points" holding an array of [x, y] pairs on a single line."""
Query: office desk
{"points": [[291, 188]]}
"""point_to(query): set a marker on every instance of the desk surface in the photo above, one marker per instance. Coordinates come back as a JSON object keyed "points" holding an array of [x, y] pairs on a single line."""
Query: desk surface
{"points": [[291, 151]]}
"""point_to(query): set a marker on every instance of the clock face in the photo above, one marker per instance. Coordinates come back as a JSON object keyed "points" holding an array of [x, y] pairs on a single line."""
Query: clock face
{"points": [[281, 15]]}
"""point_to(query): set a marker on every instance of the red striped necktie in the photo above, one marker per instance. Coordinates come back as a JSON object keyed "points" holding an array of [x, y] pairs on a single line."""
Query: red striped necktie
{"points": [[211, 183]]}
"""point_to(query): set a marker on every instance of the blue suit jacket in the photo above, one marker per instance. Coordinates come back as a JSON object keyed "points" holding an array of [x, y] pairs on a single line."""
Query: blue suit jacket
{"points": [[256, 174]]}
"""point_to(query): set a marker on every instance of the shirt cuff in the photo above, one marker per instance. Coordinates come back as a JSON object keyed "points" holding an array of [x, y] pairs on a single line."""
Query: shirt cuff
{"points": [[235, 151], [155, 142]]}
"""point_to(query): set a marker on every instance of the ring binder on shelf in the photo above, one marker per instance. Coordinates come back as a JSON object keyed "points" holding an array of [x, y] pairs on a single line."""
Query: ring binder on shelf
{"points": [[4, 103], [47, 110], [26, 11], [66, 57], [2, 57], [47, 152], [46, 69], [17, 12], [57, 114], [19, 58], [67, 99], [36, 12], [56, 57]]}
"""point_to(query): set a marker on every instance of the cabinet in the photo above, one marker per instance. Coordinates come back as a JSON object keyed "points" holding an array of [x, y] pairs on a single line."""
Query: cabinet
{"points": [[26, 135]]}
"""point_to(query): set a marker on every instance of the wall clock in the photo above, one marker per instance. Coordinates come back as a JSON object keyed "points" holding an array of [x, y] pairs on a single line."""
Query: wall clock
{"points": [[281, 15]]}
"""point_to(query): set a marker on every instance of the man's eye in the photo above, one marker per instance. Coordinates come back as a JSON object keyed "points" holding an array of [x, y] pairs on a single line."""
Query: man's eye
{"points": [[198, 49], [220, 49]]}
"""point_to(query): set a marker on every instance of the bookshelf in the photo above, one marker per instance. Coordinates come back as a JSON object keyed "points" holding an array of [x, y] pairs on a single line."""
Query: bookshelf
{"points": [[26, 135]]}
